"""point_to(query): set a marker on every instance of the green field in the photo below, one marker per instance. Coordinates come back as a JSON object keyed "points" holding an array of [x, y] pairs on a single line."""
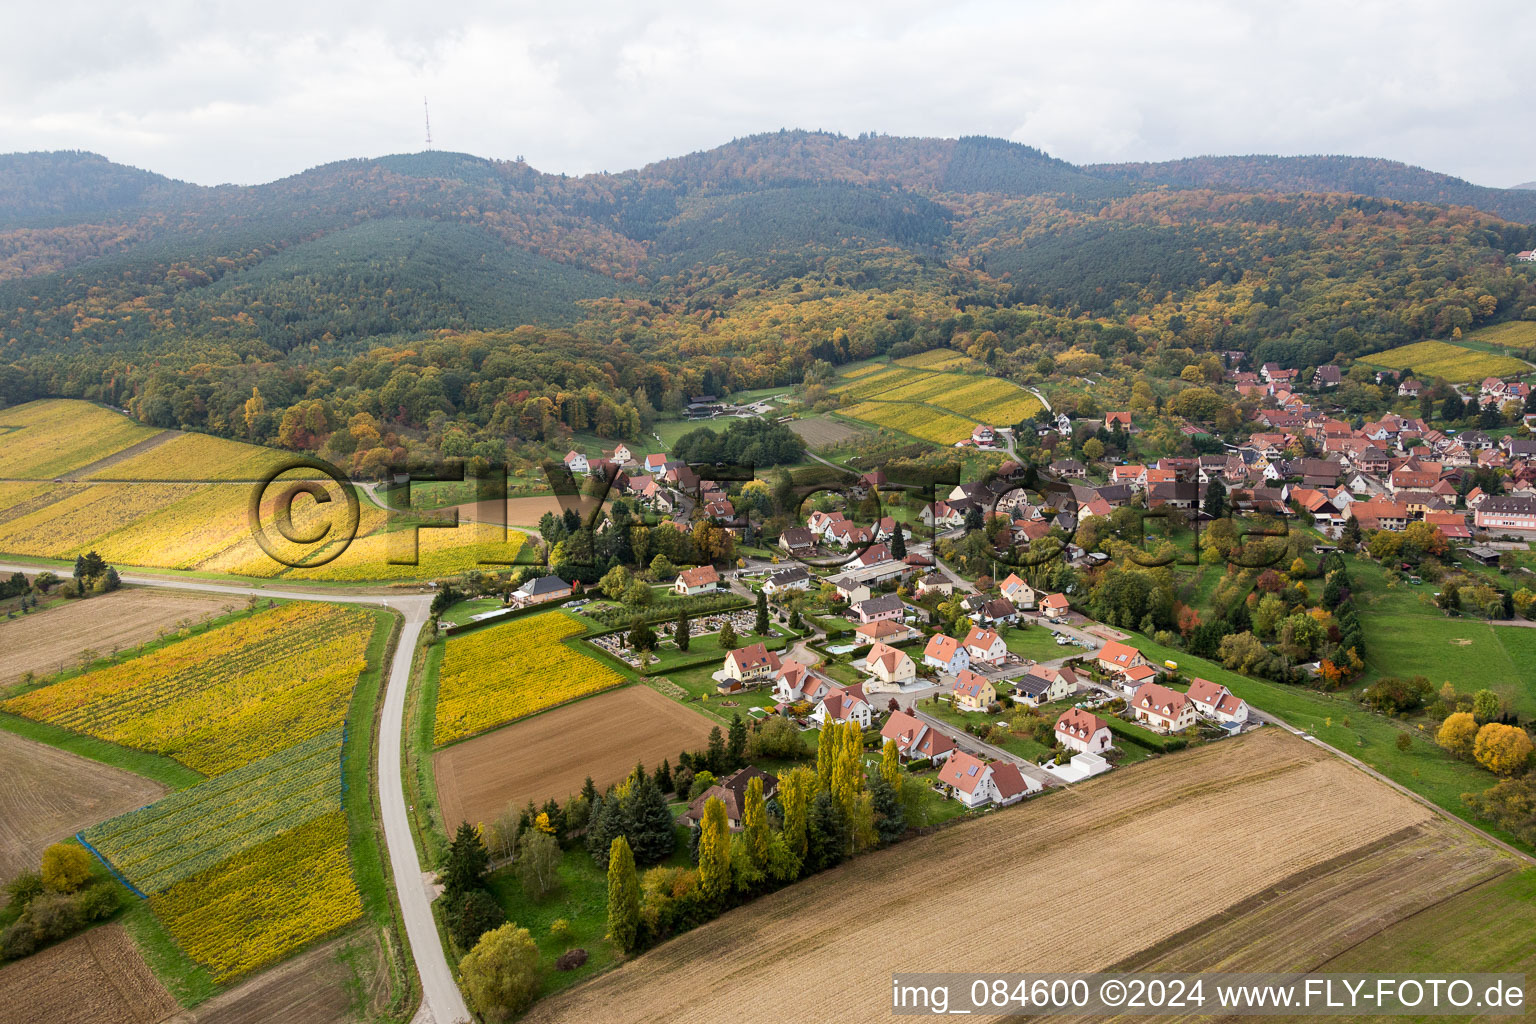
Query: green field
{"points": [[1038, 643]]}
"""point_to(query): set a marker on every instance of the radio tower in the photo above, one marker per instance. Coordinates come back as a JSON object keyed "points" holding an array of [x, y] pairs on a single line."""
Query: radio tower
{"points": [[428, 115]]}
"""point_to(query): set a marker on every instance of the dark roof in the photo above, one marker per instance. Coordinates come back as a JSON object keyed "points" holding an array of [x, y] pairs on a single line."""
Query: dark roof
{"points": [[544, 585], [1032, 685], [1509, 505], [883, 603]]}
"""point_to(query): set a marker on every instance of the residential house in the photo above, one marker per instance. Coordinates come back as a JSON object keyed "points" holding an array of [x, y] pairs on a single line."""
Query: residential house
{"points": [[1123, 419], [946, 654], [1083, 732], [889, 665], [1055, 607], [798, 541], [975, 783], [1409, 388], [1162, 709], [875, 554], [985, 647], [877, 609], [1216, 701], [915, 739], [973, 692], [700, 580], [1069, 469], [941, 515], [850, 588], [844, 704], [656, 463], [732, 792], [885, 631], [1041, 686], [576, 462], [935, 583], [820, 522], [1379, 514], [1327, 377], [996, 611], [537, 591], [752, 664], [1506, 514], [1118, 657], [1019, 593], [796, 682], [794, 578]]}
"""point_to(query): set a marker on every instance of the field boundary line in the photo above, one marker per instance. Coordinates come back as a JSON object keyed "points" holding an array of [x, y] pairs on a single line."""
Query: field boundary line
{"points": [[80, 838]]}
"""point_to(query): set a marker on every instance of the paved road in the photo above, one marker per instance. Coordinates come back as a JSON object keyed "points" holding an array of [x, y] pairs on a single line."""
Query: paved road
{"points": [[971, 745], [442, 1003]]}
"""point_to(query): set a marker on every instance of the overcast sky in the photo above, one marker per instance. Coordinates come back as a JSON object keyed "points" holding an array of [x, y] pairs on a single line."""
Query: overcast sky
{"points": [[213, 91]]}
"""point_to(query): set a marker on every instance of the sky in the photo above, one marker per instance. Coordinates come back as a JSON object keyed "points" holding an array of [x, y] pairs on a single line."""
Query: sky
{"points": [[212, 91]]}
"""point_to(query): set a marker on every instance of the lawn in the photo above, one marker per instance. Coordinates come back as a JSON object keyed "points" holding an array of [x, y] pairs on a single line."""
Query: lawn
{"points": [[465, 611], [1019, 746], [708, 647], [1037, 643]]}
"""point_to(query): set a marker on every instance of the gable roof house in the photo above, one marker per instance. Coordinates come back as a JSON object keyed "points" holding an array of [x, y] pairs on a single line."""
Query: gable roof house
{"points": [[1083, 732], [889, 665], [973, 692], [844, 704], [915, 739], [753, 663], [1216, 701], [697, 580], [975, 783], [985, 646], [1163, 709], [1118, 657], [946, 654], [878, 609], [544, 588], [732, 792]]}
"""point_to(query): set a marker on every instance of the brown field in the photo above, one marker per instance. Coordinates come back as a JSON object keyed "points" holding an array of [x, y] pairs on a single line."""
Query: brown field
{"points": [[520, 511], [95, 978], [552, 754], [46, 641], [824, 432], [50, 795], [323, 986], [1115, 867]]}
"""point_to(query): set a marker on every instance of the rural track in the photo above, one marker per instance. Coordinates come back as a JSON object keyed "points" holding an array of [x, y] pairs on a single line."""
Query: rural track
{"points": [[442, 1002]]}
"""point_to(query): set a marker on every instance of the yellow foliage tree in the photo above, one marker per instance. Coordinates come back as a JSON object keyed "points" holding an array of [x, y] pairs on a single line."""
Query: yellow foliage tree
{"points": [[1502, 749], [715, 850], [65, 868], [1458, 733]]}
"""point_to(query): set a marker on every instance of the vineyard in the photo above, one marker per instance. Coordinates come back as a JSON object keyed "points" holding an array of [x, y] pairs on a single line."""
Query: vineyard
{"points": [[941, 359], [74, 523], [264, 903], [1441, 359], [913, 396], [918, 420], [55, 437], [440, 552], [196, 457], [501, 673], [221, 699], [198, 828]]}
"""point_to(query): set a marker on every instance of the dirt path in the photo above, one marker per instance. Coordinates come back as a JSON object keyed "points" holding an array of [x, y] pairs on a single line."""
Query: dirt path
{"points": [[127, 453]]}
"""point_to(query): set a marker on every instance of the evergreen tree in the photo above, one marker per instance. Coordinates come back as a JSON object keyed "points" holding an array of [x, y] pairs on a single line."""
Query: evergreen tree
{"points": [[1215, 502], [606, 822], [736, 744], [716, 755], [464, 870], [623, 897], [681, 632], [899, 543], [890, 819], [828, 834], [715, 850], [727, 636], [650, 826], [760, 626], [589, 792], [556, 817], [664, 777]]}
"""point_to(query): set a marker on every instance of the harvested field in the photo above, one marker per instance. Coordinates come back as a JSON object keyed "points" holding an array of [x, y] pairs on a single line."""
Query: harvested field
{"points": [[95, 978], [823, 432], [480, 778], [1248, 812], [315, 988], [50, 795], [520, 511], [43, 642]]}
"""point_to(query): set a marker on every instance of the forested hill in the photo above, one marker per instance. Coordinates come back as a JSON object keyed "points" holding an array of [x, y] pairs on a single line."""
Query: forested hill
{"points": [[1360, 175], [467, 304]]}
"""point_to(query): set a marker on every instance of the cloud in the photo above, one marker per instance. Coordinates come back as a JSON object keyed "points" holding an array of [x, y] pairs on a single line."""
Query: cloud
{"points": [[216, 92]]}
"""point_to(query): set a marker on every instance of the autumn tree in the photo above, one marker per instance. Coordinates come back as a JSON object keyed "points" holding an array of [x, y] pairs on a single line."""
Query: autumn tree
{"points": [[65, 868], [501, 974], [715, 850], [1502, 749], [1458, 734]]}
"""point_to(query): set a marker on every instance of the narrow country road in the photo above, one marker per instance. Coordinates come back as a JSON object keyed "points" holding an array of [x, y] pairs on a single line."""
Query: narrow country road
{"points": [[442, 1002]]}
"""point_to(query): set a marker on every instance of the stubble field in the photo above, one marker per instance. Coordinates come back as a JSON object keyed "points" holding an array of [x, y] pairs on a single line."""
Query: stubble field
{"points": [[45, 642], [552, 755], [95, 978], [1133, 860], [50, 795]]}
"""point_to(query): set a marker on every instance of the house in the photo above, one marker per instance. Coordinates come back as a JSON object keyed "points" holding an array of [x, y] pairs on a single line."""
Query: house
{"points": [[844, 704], [973, 692], [796, 682], [1069, 469], [1216, 701], [732, 792], [1121, 419], [889, 665], [699, 580], [878, 609], [1018, 593], [656, 463], [620, 455], [1327, 377], [850, 588], [1055, 607], [1379, 514], [1083, 732], [1409, 388], [1041, 686], [1505, 514], [537, 591], [985, 647], [797, 578], [820, 522], [1526, 256], [847, 534], [885, 631], [576, 462], [1161, 708], [983, 436], [946, 654], [797, 540], [753, 664], [1117, 657], [975, 783], [935, 583], [915, 739], [875, 554], [997, 610], [941, 515]]}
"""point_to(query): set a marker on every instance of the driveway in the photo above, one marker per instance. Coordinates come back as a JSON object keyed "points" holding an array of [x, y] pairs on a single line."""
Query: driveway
{"points": [[978, 748]]}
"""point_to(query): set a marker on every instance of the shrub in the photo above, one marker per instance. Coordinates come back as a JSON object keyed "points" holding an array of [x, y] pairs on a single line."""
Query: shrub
{"points": [[65, 868], [560, 931], [776, 738], [1457, 734], [52, 916], [22, 889], [919, 764], [1502, 749], [17, 941], [98, 902], [476, 913]]}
